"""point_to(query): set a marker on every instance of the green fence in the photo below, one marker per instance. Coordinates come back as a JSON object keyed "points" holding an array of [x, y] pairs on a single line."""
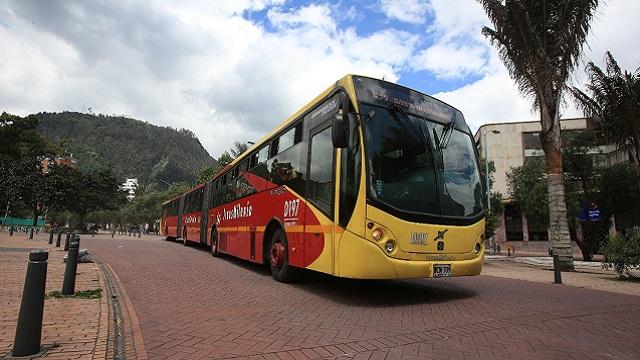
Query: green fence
{"points": [[20, 222]]}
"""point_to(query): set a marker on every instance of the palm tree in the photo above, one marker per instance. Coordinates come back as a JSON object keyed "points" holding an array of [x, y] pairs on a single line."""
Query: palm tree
{"points": [[615, 104], [540, 42]]}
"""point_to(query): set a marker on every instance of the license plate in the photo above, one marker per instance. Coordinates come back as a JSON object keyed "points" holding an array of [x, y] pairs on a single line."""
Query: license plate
{"points": [[441, 270]]}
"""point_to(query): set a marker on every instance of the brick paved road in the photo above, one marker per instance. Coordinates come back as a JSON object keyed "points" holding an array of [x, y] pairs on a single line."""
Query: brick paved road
{"points": [[192, 306]]}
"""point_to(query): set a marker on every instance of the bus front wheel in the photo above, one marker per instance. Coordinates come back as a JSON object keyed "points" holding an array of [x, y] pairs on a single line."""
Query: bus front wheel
{"points": [[279, 258]]}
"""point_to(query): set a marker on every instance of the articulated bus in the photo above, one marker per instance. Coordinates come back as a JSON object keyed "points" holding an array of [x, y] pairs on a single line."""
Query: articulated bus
{"points": [[370, 180]]}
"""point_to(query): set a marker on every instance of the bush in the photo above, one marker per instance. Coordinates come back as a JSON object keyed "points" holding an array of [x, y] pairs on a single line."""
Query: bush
{"points": [[622, 253]]}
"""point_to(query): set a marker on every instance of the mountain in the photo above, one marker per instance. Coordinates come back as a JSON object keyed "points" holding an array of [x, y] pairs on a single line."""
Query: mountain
{"points": [[127, 147]]}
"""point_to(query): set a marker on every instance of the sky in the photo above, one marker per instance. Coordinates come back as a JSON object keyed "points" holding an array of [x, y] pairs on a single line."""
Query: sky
{"points": [[232, 70]]}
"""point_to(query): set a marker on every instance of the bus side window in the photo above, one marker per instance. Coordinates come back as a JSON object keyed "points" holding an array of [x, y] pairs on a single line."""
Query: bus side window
{"points": [[287, 167], [321, 165], [273, 148]]}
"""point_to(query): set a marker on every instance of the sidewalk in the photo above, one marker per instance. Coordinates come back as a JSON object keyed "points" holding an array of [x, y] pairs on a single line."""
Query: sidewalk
{"points": [[588, 275], [73, 328]]}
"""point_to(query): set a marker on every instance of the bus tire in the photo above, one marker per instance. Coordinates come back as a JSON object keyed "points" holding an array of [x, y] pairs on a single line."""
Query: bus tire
{"points": [[214, 243], [279, 258]]}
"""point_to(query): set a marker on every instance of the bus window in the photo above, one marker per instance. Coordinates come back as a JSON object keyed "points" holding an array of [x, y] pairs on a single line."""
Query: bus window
{"points": [[321, 172], [273, 148], [263, 155], [253, 160], [242, 168], [287, 140]]}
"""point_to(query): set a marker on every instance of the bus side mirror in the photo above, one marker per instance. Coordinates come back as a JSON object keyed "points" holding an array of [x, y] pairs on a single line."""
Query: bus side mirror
{"points": [[340, 130], [340, 126]]}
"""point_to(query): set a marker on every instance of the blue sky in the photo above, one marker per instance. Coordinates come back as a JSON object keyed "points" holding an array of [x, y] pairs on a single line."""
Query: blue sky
{"points": [[231, 70]]}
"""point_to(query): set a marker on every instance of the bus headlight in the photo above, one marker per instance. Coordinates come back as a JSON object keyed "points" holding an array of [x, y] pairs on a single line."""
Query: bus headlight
{"points": [[377, 234], [389, 246]]}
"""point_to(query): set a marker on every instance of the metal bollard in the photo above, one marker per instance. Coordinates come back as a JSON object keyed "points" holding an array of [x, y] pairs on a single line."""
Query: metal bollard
{"points": [[50, 236], [10, 230], [557, 274], [31, 233], [66, 242], [69, 282], [29, 328], [509, 251], [139, 233], [58, 238]]}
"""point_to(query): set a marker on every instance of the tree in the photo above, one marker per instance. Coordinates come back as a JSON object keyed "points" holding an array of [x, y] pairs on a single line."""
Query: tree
{"points": [[207, 172], [612, 98], [238, 149], [540, 43], [492, 220], [19, 137], [96, 191]]}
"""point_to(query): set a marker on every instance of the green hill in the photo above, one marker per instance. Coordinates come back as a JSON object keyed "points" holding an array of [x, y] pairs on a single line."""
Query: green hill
{"points": [[127, 147]]}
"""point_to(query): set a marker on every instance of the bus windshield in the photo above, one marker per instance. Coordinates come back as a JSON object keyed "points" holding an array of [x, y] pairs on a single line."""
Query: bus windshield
{"points": [[410, 170]]}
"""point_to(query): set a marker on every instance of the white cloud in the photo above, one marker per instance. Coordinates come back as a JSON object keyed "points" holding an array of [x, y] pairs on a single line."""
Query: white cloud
{"points": [[203, 66], [447, 61], [410, 11]]}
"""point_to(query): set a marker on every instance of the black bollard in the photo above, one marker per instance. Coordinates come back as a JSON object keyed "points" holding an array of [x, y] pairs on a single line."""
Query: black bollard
{"points": [[139, 233], [66, 241], [31, 233], [10, 230], [557, 275], [69, 282], [50, 236], [29, 328], [58, 238]]}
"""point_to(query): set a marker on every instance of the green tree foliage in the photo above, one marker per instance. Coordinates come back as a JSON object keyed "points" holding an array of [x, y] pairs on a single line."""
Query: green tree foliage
{"points": [[540, 44], [622, 253], [127, 147], [586, 184], [612, 98], [528, 188], [238, 149], [145, 208], [19, 138], [494, 216], [207, 172]]}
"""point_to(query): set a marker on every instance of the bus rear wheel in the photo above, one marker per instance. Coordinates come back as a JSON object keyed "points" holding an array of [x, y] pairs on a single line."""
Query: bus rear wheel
{"points": [[214, 243], [279, 258]]}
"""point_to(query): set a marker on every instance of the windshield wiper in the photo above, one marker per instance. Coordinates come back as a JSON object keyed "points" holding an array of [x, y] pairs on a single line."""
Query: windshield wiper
{"points": [[447, 130]]}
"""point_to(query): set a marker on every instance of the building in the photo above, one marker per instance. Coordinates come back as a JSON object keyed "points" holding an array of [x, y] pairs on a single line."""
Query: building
{"points": [[130, 186], [508, 145], [69, 161]]}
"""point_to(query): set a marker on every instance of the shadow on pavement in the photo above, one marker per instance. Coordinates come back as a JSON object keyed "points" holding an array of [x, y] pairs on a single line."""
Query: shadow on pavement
{"points": [[367, 293], [383, 293]]}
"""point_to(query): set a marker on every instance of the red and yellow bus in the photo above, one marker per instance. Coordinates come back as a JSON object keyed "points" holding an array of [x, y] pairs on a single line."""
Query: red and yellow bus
{"points": [[370, 180]]}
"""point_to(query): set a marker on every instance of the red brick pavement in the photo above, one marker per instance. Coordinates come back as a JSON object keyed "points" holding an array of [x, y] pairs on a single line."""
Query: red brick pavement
{"points": [[193, 306], [72, 328]]}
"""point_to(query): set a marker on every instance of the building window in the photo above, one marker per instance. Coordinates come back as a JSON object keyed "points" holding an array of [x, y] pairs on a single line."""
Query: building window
{"points": [[537, 230], [531, 144], [513, 222]]}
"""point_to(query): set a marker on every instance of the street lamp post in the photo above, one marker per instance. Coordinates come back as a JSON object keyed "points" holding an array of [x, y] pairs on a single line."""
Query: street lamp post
{"points": [[486, 167]]}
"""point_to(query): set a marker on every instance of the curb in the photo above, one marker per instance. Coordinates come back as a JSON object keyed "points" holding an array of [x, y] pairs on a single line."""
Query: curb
{"points": [[129, 343]]}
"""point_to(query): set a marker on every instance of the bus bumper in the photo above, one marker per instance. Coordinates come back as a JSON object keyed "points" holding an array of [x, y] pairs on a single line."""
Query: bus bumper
{"points": [[359, 258]]}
